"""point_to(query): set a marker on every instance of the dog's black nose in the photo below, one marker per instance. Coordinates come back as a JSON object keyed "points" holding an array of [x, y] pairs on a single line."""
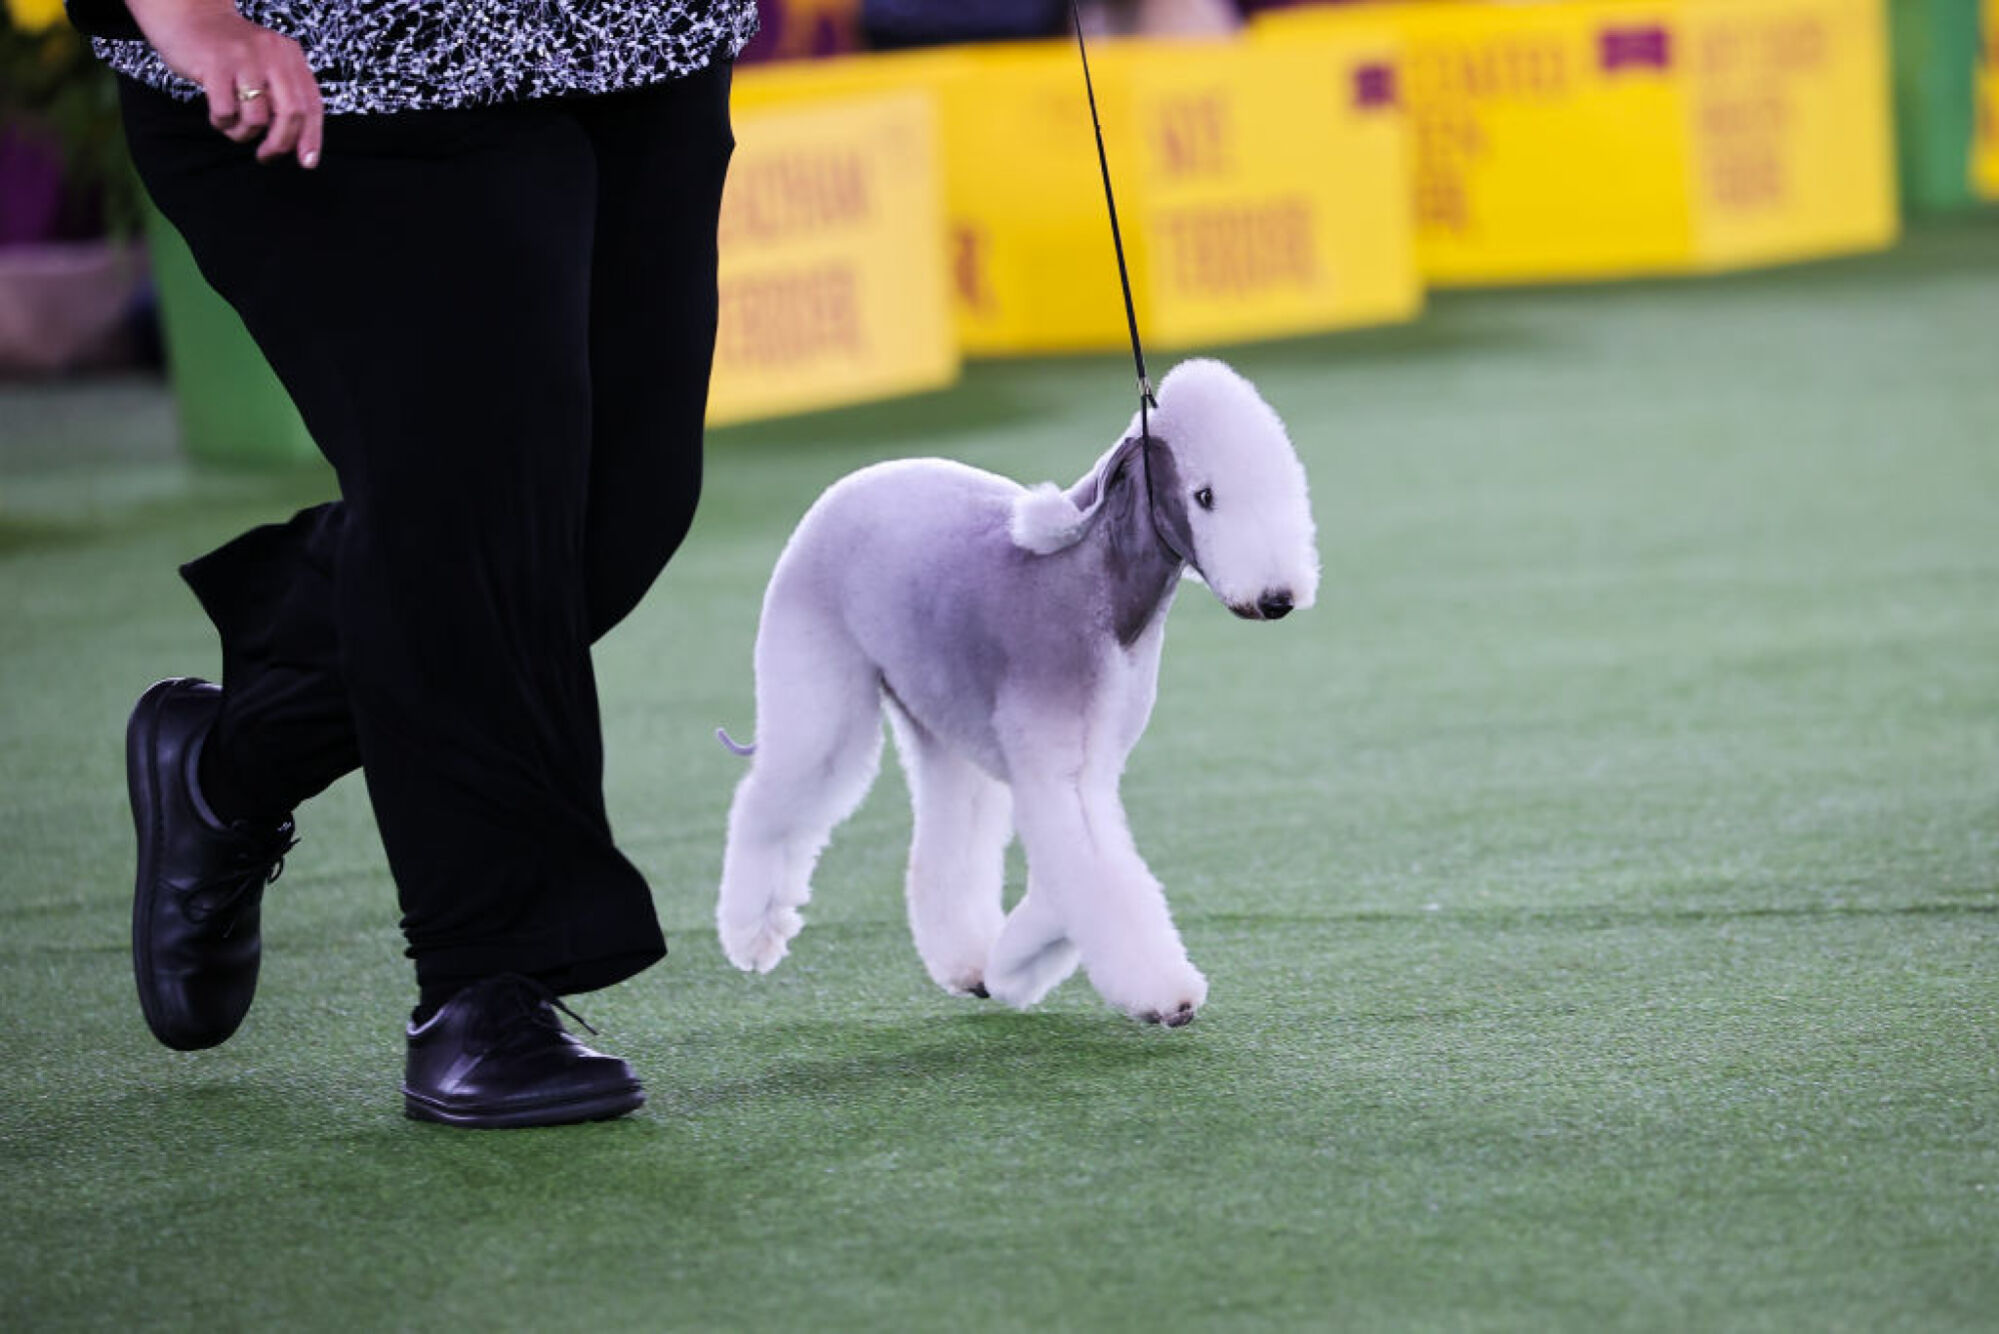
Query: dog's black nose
{"points": [[1274, 606]]}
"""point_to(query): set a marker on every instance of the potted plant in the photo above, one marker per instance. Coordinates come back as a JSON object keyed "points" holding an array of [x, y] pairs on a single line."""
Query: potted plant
{"points": [[71, 264]]}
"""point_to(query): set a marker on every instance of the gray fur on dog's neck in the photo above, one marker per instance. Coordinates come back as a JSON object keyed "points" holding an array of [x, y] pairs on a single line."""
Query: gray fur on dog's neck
{"points": [[1134, 539]]}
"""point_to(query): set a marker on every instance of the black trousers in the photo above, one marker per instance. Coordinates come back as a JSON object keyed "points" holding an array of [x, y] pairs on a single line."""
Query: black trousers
{"points": [[498, 326]]}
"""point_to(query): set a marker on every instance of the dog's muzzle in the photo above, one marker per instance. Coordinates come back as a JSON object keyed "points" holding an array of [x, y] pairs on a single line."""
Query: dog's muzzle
{"points": [[1273, 605]]}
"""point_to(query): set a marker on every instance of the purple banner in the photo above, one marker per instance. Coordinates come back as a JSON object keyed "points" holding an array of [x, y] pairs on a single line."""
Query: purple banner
{"points": [[1649, 47], [1373, 86]]}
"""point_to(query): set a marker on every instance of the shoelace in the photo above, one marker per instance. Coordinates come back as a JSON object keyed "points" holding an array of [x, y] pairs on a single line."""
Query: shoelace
{"points": [[536, 1004], [260, 863]]}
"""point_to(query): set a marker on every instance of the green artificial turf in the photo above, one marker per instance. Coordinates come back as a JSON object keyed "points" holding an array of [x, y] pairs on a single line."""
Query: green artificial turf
{"points": [[1599, 888]]}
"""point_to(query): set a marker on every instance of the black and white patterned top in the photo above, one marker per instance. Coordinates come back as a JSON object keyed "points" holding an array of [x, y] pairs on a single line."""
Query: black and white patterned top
{"points": [[411, 55]]}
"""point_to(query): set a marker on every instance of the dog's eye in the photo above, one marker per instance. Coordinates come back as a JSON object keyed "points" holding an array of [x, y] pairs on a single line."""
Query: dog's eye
{"points": [[1205, 497]]}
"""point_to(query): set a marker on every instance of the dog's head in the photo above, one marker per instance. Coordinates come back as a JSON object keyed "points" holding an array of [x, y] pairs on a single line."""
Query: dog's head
{"points": [[1226, 490], [1229, 494]]}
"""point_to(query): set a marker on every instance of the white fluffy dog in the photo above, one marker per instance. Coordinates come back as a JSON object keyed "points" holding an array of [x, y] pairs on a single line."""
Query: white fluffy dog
{"points": [[1014, 635]]}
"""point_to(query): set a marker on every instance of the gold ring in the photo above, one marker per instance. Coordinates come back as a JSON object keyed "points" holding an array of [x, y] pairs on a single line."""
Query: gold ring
{"points": [[248, 94]]}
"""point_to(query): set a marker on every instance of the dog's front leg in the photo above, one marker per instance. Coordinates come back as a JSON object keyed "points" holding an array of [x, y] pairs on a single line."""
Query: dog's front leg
{"points": [[1033, 953], [1089, 879]]}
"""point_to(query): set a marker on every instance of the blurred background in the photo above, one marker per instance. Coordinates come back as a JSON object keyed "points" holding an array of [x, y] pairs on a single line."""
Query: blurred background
{"points": [[916, 181]]}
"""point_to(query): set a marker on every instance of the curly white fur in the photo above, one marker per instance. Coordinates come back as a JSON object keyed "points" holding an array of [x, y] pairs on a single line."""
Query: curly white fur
{"points": [[1045, 521]]}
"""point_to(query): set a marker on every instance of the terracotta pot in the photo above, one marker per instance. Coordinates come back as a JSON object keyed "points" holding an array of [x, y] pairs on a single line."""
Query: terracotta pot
{"points": [[65, 306]]}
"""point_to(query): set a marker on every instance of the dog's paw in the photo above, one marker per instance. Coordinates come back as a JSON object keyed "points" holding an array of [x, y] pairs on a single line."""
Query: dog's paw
{"points": [[1178, 1018], [964, 979], [953, 937], [959, 979], [1172, 1000], [760, 945]]}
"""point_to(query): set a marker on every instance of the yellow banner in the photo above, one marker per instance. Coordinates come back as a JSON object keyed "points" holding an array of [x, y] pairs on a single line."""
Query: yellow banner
{"points": [[1260, 194], [1275, 185], [1985, 135], [1547, 139], [1263, 190], [1019, 275], [832, 264], [1031, 251], [1599, 138], [1789, 122]]}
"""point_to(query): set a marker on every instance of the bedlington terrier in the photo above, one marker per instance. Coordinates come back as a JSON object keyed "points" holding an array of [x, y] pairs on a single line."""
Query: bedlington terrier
{"points": [[1013, 636]]}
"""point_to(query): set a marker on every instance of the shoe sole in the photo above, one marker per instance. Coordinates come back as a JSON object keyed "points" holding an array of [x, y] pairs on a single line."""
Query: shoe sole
{"points": [[603, 1107], [142, 785]]}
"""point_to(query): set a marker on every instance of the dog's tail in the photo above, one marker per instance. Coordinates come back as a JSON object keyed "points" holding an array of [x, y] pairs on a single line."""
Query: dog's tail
{"points": [[733, 746]]}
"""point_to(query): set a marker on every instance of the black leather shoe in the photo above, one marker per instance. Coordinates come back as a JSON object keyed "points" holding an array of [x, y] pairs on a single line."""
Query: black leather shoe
{"points": [[495, 1056], [197, 905]]}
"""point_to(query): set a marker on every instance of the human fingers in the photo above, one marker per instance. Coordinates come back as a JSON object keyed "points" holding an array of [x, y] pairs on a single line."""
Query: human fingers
{"points": [[255, 82], [312, 124], [313, 136], [295, 111], [224, 110], [253, 77], [239, 104]]}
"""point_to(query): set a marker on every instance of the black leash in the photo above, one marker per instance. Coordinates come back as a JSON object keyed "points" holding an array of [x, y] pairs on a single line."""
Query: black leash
{"points": [[1146, 401]]}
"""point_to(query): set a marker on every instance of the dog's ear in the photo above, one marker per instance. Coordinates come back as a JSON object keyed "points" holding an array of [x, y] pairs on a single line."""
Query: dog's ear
{"points": [[1169, 502], [1047, 520]]}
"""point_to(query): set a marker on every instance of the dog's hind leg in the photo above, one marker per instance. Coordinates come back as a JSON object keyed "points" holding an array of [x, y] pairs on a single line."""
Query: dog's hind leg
{"points": [[818, 746], [957, 858]]}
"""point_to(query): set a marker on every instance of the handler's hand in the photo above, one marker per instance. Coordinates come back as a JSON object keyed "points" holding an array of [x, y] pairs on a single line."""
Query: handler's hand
{"points": [[258, 84]]}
